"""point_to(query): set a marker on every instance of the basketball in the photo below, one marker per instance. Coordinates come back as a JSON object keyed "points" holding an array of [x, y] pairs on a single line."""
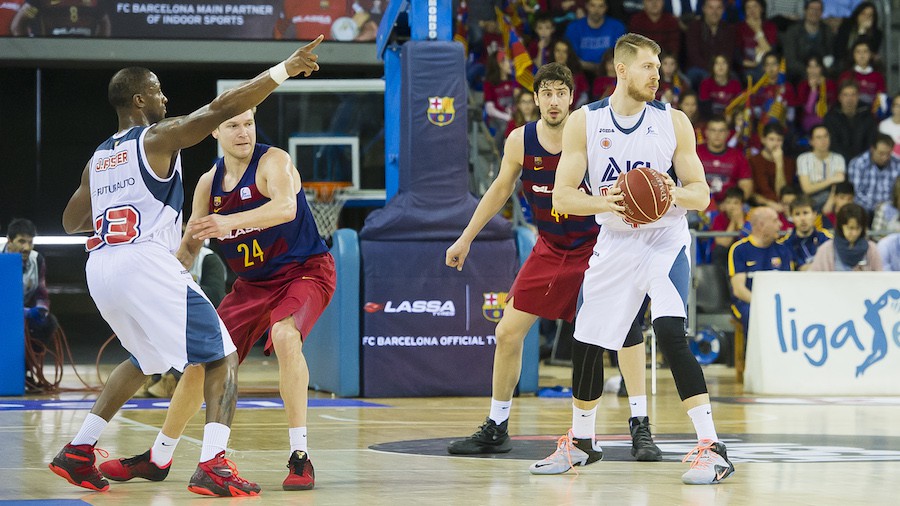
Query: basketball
{"points": [[646, 195]]}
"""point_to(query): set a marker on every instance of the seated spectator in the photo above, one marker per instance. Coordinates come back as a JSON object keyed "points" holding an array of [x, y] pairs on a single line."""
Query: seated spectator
{"points": [[526, 111], [691, 108], [861, 25], [891, 125], [731, 217], [720, 88], [706, 38], [592, 35], [788, 194], [725, 167], [563, 53], [804, 239], [873, 173], [887, 216], [20, 239], [756, 36], [870, 81], [889, 250], [605, 84], [499, 87], [671, 81], [816, 94], [819, 169], [812, 37], [541, 47], [841, 195], [771, 168], [660, 26], [850, 250], [757, 252], [776, 88], [852, 128]]}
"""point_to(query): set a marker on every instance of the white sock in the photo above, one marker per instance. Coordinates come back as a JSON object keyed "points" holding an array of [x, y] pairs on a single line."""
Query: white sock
{"points": [[298, 439], [583, 422], [638, 405], [500, 410], [215, 440], [90, 430], [163, 448], [703, 422]]}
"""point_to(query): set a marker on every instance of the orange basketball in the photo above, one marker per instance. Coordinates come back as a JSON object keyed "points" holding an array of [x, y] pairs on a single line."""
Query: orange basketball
{"points": [[646, 195]]}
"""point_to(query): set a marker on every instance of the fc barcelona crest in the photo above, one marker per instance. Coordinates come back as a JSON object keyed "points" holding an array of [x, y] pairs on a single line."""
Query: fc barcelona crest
{"points": [[217, 201], [440, 110], [494, 304]]}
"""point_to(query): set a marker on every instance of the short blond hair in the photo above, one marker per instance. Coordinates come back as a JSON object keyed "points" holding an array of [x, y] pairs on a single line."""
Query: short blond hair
{"points": [[627, 47]]}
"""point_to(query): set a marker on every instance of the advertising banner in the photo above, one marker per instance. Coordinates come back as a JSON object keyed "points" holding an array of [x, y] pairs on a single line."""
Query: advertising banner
{"points": [[428, 330], [833, 333]]}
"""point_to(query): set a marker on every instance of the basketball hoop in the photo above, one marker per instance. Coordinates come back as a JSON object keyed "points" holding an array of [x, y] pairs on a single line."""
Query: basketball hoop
{"points": [[326, 199]]}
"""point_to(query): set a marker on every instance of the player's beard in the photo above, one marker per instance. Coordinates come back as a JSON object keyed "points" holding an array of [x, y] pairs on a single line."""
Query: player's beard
{"points": [[559, 120], [639, 94]]}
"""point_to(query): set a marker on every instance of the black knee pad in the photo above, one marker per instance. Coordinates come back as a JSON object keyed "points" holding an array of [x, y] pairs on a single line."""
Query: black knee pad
{"points": [[673, 344], [587, 371], [634, 336]]}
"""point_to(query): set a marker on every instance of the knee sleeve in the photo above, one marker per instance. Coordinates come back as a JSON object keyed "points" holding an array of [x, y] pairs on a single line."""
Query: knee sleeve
{"points": [[672, 341], [635, 336], [587, 371]]}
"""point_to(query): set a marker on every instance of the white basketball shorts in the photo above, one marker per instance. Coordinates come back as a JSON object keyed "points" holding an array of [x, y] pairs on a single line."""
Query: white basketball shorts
{"points": [[625, 267], [160, 315]]}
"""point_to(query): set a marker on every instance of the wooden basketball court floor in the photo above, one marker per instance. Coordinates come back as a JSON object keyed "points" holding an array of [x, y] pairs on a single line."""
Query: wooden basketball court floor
{"points": [[392, 451]]}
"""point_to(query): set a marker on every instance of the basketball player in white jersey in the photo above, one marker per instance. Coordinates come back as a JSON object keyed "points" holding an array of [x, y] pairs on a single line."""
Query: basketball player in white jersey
{"points": [[607, 138], [131, 197]]}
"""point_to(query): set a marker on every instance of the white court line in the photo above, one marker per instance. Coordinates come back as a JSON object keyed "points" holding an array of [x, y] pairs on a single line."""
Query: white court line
{"points": [[148, 427]]}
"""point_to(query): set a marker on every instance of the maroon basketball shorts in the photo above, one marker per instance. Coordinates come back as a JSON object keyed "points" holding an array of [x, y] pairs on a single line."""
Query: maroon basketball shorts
{"points": [[299, 290], [549, 281]]}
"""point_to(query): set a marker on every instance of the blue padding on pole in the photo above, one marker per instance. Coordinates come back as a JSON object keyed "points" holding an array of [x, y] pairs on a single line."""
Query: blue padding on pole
{"points": [[12, 331], [531, 353], [332, 348], [392, 101]]}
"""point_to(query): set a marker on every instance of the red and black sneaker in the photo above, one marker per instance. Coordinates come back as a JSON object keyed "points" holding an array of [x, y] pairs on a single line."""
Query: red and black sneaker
{"points": [[76, 465], [139, 466], [302, 476], [219, 477]]}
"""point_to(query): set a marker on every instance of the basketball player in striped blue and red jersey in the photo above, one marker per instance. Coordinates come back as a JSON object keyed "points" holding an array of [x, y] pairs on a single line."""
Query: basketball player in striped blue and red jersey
{"points": [[606, 138], [547, 285], [251, 201], [131, 197]]}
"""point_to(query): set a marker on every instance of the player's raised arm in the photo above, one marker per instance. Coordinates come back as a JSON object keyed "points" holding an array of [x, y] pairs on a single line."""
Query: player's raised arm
{"points": [[170, 135], [567, 198], [493, 199], [77, 215], [694, 191]]}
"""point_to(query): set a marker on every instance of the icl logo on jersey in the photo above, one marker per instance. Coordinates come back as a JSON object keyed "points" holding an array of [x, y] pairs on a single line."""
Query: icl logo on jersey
{"points": [[613, 169], [815, 340]]}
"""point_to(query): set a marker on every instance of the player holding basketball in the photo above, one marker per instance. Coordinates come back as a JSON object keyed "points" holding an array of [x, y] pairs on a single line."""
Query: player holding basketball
{"points": [[252, 202], [547, 284], [131, 197], [605, 138]]}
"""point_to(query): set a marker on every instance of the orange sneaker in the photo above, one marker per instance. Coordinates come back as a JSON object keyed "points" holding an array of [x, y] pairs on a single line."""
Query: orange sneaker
{"points": [[76, 465], [219, 477]]}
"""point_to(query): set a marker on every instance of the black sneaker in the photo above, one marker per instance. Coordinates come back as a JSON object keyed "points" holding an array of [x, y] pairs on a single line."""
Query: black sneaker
{"points": [[75, 463], [490, 438], [642, 447]]}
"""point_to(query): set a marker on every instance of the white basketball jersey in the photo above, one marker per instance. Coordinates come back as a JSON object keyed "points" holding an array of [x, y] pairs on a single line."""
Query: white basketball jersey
{"points": [[645, 141], [130, 203]]}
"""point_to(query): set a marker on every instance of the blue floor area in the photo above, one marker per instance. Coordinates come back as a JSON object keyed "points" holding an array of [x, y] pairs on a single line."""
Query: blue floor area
{"points": [[251, 403]]}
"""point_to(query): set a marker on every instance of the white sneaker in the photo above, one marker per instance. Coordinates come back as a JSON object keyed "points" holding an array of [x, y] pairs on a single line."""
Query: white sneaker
{"points": [[710, 466], [569, 452]]}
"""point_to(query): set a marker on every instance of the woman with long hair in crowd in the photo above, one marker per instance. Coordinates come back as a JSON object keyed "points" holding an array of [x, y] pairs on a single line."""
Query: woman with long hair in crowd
{"points": [[720, 88], [816, 94], [850, 250], [564, 53], [861, 25]]}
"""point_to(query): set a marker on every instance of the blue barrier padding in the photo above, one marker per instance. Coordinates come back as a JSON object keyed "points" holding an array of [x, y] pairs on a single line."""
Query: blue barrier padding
{"points": [[332, 347], [531, 354], [12, 331]]}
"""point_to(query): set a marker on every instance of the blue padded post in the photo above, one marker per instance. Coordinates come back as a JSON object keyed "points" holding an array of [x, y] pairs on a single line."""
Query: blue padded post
{"points": [[531, 354], [12, 332], [332, 348]]}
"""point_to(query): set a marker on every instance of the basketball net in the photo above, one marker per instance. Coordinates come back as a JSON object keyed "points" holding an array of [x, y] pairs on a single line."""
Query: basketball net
{"points": [[326, 199]]}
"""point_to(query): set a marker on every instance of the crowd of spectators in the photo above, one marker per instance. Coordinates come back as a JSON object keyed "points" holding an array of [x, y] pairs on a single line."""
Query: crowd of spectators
{"points": [[787, 98]]}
